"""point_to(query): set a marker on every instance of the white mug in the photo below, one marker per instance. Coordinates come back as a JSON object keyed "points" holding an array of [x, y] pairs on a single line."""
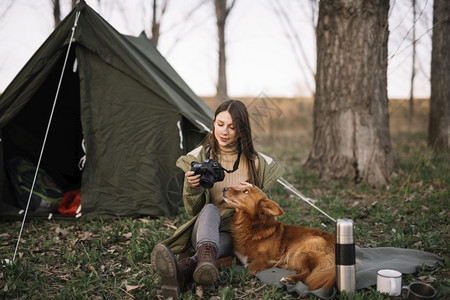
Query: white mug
{"points": [[389, 281]]}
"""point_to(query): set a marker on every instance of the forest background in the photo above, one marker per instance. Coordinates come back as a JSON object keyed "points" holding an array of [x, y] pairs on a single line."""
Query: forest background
{"points": [[271, 45]]}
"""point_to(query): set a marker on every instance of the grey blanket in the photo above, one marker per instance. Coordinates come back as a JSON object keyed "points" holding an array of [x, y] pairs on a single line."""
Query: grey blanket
{"points": [[368, 261]]}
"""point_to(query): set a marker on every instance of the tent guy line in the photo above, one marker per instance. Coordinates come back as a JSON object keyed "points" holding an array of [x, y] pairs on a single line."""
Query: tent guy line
{"points": [[46, 135], [310, 201]]}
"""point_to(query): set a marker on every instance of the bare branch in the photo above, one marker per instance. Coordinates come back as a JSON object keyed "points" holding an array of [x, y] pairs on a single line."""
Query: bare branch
{"points": [[5, 11], [227, 11], [289, 28], [187, 17]]}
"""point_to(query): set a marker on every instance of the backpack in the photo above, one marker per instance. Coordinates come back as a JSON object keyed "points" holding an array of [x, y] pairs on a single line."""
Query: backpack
{"points": [[46, 194]]}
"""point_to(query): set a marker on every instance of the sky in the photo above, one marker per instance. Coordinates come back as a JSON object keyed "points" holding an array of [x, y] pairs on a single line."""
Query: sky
{"points": [[262, 56]]}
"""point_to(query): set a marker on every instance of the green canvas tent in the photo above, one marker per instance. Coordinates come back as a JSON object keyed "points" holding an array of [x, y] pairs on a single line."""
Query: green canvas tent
{"points": [[120, 97]]}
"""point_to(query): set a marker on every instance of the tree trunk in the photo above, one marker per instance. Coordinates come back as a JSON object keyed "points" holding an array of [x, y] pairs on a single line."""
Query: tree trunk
{"points": [[157, 15], [439, 124], [56, 12], [155, 25], [222, 12], [351, 119]]}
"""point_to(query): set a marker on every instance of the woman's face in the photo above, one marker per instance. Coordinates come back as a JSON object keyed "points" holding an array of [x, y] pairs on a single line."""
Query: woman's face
{"points": [[224, 130]]}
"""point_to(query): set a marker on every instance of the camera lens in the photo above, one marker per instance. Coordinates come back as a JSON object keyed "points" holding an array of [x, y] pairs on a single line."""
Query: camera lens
{"points": [[206, 183]]}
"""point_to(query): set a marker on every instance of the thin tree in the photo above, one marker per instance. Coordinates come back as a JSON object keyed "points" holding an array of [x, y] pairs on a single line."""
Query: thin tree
{"points": [[351, 136], [439, 121], [157, 15], [222, 12], [56, 12], [5, 7], [413, 71]]}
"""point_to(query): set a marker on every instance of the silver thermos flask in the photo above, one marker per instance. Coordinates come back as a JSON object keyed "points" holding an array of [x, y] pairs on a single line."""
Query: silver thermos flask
{"points": [[345, 256]]}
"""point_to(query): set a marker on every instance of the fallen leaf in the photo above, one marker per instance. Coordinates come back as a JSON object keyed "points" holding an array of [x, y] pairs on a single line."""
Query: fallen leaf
{"points": [[85, 235], [409, 199], [170, 224], [427, 279], [199, 291], [131, 287], [145, 221], [61, 231]]}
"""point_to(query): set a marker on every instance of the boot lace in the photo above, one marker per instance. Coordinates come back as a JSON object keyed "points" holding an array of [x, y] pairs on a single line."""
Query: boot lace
{"points": [[209, 250]]}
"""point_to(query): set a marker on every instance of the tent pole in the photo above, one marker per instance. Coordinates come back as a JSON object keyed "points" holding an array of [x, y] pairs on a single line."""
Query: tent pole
{"points": [[46, 134]]}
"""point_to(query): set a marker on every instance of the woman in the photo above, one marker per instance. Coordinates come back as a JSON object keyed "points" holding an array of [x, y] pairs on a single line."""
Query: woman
{"points": [[206, 237]]}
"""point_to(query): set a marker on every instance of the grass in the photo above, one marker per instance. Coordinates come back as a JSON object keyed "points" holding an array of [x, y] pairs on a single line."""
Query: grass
{"points": [[110, 259]]}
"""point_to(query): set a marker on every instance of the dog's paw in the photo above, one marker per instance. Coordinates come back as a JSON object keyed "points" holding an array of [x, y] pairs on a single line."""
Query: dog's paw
{"points": [[286, 281]]}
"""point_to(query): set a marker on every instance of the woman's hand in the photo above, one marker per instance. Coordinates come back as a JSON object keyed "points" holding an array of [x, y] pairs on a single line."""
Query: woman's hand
{"points": [[194, 180], [245, 183]]}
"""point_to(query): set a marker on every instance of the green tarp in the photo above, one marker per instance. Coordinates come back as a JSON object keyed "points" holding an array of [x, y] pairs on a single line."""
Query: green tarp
{"points": [[118, 94]]}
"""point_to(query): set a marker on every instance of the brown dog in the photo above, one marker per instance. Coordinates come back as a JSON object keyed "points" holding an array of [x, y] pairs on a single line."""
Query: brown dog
{"points": [[261, 242]]}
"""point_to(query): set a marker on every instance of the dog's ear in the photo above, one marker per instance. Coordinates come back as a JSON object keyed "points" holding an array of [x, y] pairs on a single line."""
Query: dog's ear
{"points": [[270, 207]]}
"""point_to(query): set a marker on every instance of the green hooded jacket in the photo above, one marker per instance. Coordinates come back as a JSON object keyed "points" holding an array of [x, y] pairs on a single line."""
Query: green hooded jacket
{"points": [[195, 198]]}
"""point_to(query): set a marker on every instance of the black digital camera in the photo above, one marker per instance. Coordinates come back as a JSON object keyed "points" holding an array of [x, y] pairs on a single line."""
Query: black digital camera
{"points": [[210, 170]]}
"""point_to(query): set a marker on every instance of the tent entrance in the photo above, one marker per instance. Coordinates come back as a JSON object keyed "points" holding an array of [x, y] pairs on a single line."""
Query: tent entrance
{"points": [[24, 135]]}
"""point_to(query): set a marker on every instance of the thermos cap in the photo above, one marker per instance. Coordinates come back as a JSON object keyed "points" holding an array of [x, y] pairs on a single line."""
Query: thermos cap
{"points": [[344, 231]]}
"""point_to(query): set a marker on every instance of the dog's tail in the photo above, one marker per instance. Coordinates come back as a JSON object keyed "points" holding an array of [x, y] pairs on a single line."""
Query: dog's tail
{"points": [[323, 275]]}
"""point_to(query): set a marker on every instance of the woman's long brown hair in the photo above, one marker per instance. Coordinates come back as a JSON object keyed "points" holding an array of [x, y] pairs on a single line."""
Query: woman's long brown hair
{"points": [[241, 122]]}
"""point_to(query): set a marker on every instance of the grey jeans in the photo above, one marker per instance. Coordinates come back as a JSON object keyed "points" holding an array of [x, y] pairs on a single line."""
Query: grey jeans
{"points": [[206, 230]]}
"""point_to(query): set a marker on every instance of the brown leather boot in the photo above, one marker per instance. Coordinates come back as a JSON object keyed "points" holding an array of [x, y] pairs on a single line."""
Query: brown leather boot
{"points": [[206, 271], [174, 275]]}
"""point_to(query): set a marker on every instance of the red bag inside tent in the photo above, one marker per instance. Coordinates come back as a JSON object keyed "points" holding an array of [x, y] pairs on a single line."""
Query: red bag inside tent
{"points": [[70, 203]]}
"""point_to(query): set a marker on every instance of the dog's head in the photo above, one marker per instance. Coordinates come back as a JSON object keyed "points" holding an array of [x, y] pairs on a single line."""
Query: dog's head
{"points": [[251, 200]]}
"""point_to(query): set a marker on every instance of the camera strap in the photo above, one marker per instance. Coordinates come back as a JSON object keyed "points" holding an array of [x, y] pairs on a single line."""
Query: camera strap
{"points": [[236, 163]]}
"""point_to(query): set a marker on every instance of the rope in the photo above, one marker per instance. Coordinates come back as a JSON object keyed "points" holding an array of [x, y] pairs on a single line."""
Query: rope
{"points": [[83, 159], [46, 135], [310, 201]]}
